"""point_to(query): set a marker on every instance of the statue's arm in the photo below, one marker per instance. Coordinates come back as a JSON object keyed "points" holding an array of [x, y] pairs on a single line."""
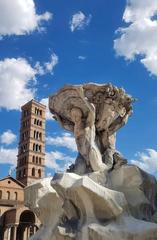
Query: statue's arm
{"points": [[91, 108]]}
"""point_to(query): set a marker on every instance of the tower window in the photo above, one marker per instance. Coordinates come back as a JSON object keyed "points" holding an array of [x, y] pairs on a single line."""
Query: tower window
{"points": [[37, 122], [39, 173], [33, 146], [33, 172], [34, 134], [38, 111], [25, 113], [39, 148], [36, 148], [33, 159]]}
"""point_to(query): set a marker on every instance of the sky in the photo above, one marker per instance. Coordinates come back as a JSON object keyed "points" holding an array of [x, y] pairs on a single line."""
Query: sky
{"points": [[47, 44]]}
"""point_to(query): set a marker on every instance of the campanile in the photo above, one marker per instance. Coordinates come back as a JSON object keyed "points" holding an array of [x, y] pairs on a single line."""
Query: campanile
{"points": [[31, 150]]}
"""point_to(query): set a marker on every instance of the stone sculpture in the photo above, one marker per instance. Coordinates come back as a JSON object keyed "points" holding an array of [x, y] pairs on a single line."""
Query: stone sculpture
{"points": [[100, 196], [93, 113]]}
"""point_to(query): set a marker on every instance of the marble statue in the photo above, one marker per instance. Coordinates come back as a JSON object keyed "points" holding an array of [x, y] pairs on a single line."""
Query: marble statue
{"points": [[93, 113], [100, 196]]}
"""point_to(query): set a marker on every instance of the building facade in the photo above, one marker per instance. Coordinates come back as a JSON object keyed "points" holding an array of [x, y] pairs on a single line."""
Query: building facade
{"points": [[16, 221]]}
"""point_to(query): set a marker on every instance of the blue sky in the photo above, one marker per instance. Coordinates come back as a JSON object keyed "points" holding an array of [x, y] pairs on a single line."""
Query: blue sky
{"points": [[46, 44]]}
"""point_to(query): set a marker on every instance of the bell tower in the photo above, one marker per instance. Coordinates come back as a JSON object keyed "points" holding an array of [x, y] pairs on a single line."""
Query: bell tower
{"points": [[31, 150]]}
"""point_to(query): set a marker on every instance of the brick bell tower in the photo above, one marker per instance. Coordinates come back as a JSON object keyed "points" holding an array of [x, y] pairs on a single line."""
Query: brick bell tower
{"points": [[31, 150]]}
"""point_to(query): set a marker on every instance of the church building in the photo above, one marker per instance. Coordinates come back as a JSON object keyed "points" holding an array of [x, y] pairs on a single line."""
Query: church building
{"points": [[16, 221]]}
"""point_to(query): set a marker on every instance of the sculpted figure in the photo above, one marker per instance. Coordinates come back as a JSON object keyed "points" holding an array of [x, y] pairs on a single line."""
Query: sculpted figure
{"points": [[84, 132], [107, 138], [93, 113], [113, 107]]}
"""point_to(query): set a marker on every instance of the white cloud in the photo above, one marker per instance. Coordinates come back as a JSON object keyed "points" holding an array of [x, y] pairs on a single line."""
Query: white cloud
{"points": [[79, 21], [139, 37], [66, 140], [8, 156], [82, 58], [17, 79], [147, 160], [7, 137], [49, 66], [52, 157], [49, 115], [19, 17]]}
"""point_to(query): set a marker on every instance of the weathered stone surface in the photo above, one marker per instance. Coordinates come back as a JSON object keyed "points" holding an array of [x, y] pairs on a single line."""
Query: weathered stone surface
{"points": [[75, 207], [140, 189], [124, 228], [93, 113], [45, 202], [83, 192], [100, 197]]}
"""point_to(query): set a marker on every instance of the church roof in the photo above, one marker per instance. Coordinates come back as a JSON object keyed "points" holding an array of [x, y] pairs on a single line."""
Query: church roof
{"points": [[13, 179]]}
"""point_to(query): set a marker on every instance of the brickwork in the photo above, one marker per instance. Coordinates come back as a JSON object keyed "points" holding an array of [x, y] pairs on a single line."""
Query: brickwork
{"points": [[31, 153], [16, 221]]}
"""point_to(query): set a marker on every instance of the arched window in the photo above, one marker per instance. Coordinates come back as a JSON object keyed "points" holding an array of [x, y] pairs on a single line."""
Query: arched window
{"points": [[33, 159], [24, 148], [33, 146], [33, 172], [37, 160], [37, 147], [15, 193], [40, 112], [39, 173], [40, 123], [0, 194], [8, 195], [34, 134]]}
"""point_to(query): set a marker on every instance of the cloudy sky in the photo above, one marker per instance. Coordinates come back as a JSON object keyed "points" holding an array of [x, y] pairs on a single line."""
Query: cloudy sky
{"points": [[46, 44]]}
